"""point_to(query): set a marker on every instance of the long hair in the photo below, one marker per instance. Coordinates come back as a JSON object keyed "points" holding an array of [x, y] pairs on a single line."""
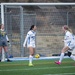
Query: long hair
{"points": [[32, 26], [67, 28]]}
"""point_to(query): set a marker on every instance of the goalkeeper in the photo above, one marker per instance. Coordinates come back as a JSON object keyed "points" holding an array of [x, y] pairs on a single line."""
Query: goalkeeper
{"points": [[3, 42]]}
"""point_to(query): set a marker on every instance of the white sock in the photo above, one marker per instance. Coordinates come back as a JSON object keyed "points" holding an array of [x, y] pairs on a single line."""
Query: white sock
{"points": [[30, 59], [61, 57], [72, 57], [0, 56]]}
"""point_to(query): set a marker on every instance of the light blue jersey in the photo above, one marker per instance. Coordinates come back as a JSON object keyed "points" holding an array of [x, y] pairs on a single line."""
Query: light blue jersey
{"points": [[30, 39]]}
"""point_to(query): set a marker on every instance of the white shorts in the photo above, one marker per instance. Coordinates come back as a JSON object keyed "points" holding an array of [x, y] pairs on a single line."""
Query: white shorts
{"points": [[71, 45], [31, 45]]}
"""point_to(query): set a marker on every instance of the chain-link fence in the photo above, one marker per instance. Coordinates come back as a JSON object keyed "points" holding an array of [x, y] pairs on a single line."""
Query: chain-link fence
{"points": [[48, 20]]}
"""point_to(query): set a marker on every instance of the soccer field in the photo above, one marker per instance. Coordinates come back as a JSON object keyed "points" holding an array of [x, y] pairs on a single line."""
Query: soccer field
{"points": [[41, 67]]}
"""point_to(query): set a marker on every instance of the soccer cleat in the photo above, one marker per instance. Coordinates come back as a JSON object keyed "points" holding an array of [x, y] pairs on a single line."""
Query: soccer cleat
{"points": [[57, 62], [30, 64], [8, 60]]}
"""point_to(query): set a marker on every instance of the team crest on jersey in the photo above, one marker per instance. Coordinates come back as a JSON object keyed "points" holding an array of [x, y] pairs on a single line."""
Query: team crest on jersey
{"points": [[3, 33]]}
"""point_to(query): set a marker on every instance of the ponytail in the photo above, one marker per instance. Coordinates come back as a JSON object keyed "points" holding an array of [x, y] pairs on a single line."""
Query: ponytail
{"points": [[31, 28], [67, 28], [70, 30]]}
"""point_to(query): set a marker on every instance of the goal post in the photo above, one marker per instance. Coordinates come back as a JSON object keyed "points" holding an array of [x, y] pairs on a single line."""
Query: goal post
{"points": [[31, 4], [26, 4], [2, 22]]}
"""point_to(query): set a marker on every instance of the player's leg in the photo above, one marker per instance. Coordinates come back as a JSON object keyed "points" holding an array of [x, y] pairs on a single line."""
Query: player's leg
{"points": [[72, 46], [5, 47], [70, 55], [6, 53], [62, 55], [31, 52], [0, 50], [0, 53]]}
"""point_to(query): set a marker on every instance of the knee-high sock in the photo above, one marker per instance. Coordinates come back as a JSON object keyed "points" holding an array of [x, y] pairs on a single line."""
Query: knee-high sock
{"points": [[0, 56], [6, 54], [30, 59], [72, 57], [61, 57]]}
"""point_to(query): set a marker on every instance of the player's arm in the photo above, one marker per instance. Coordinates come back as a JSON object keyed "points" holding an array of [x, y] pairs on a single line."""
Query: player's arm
{"points": [[7, 38], [67, 37], [25, 41]]}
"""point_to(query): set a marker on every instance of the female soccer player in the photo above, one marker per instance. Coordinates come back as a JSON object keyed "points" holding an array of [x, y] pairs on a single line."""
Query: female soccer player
{"points": [[30, 41], [69, 42], [3, 42]]}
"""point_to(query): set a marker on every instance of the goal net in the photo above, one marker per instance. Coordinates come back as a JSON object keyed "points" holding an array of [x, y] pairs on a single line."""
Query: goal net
{"points": [[48, 17]]}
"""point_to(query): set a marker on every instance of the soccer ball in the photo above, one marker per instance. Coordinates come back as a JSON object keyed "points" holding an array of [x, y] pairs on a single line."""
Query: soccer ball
{"points": [[37, 56]]}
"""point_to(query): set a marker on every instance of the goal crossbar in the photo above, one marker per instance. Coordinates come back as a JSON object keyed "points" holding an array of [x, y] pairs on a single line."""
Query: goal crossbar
{"points": [[37, 3]]}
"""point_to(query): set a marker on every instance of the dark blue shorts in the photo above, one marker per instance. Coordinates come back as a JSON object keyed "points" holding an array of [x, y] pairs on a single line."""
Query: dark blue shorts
{"points": [[3, 43]]}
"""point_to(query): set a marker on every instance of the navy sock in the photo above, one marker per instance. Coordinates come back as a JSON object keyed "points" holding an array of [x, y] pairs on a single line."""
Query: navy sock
{"points": [[6, 54]]}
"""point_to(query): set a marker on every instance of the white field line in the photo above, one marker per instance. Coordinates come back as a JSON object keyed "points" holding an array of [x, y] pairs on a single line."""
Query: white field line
{"points": [[37, 68], [62, 74]]}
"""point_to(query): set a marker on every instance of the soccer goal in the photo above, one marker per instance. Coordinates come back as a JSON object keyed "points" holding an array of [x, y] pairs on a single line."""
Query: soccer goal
{"points": [[48, 17]]}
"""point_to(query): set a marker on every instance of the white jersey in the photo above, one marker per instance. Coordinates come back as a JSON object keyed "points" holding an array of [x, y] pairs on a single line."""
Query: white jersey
{"points": [[30, 39], [69, 40]]}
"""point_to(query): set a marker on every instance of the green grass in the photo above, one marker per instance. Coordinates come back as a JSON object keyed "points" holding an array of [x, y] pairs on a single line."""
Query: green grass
{"points": [[41, 67]]}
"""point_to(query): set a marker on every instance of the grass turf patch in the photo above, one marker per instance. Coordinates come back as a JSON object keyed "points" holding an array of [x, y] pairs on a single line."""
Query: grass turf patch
{"points": [[41, 67]]}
